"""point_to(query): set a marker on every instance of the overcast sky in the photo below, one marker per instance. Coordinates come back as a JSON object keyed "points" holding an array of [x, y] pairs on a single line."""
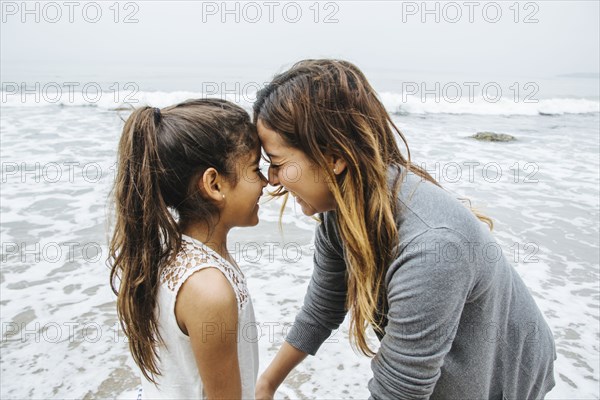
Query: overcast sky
{"points": [[169, 37]]}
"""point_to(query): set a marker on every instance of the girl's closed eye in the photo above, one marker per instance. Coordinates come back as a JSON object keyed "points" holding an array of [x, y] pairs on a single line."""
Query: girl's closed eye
{"points": [[260, 171], [263, 169]]}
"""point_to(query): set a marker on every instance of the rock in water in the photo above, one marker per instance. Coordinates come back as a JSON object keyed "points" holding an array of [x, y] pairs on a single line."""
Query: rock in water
{"points": [[493, 137]]}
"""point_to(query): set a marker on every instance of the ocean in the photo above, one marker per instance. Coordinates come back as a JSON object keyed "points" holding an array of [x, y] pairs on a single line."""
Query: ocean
{"points": [[60, 336]]}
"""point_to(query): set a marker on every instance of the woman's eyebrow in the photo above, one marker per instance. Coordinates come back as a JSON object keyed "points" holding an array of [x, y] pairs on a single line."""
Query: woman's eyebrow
{"points": [[269, 155]]}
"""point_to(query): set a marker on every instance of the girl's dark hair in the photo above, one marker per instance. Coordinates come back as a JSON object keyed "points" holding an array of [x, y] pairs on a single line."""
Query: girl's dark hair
{"points": [[327, 107], [161, 156]]}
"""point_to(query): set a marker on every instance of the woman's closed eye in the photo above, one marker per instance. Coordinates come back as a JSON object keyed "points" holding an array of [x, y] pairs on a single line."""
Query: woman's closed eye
{"points": [[267, 159]]}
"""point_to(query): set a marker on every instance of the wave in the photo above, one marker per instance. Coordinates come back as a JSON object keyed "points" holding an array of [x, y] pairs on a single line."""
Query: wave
{"points": [[109, 100], [400, 104], [396, 103]]}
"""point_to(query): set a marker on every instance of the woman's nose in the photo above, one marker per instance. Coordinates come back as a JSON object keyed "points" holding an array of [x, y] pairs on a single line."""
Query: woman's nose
{"points": [[273, 180]]}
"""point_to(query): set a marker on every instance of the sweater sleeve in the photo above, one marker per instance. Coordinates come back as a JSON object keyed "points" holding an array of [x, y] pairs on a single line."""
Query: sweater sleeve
{"points": [[324, 306], [429, 284]]}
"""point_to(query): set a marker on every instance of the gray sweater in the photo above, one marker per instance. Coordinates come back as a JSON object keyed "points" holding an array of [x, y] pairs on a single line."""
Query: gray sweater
{"points": [[461, 322]]}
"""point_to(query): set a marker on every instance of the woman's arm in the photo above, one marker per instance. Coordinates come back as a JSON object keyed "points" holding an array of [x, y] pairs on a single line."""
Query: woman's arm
{"points": [[287, 358], [324, 307], [206, 310], [323, 311]]}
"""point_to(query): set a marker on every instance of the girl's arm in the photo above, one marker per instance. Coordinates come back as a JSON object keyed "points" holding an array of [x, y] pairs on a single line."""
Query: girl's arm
{"points": [[284, 362], [206, 309]]}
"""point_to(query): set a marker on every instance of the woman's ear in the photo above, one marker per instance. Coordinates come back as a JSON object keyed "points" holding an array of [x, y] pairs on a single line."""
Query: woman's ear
{"points": [[339, 165], [211, 184]]}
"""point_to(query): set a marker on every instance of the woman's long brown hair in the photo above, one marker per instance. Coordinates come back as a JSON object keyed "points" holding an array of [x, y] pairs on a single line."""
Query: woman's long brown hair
{"points": [[327, 107], [161, 156]]}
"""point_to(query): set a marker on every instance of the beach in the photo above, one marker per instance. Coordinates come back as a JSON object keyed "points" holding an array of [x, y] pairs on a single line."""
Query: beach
{"points": [[60, 334]]}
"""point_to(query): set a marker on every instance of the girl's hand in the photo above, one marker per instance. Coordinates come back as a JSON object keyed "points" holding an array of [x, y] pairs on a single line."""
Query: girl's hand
{"points": [[264, 390]]}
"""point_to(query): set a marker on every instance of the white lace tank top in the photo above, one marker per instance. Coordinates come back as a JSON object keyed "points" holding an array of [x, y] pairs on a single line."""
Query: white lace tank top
{"points": [[180, 378]]}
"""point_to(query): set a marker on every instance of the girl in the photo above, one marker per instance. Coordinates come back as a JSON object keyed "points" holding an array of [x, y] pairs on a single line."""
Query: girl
{"points": [[182, 300], [396, 251]]}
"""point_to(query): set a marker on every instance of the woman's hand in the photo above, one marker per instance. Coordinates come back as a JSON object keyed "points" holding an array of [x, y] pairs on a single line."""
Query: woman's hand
{"points": [[285, 360], [264, 389]]}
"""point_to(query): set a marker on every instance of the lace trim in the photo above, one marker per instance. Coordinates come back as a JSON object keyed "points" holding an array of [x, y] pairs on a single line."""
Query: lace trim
{"points": [[194, 253]]}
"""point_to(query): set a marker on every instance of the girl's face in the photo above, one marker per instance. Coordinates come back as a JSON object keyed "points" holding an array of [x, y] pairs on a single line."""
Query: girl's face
{"points": [[292, 169], [241, 202]]}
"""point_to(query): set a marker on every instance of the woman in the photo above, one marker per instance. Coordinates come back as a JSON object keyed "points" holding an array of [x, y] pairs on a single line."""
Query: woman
{"points": [[396, 251]]}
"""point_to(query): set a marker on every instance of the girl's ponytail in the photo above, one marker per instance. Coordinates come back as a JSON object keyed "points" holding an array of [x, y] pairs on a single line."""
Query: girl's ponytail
{"points": [[145, 231]]}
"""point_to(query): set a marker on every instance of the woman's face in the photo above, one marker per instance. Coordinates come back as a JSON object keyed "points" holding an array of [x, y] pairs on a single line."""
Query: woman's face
{"points": [[292, 169]]}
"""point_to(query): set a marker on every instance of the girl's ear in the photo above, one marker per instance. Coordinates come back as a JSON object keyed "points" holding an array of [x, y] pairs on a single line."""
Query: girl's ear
{"points": [[211, 184]]}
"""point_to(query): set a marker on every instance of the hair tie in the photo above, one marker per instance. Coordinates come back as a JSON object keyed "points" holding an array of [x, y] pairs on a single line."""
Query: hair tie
{"points": [[157, 116]]}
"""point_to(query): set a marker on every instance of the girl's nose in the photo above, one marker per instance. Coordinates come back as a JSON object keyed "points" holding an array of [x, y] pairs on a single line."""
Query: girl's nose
{"points": [[264, 180]]}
